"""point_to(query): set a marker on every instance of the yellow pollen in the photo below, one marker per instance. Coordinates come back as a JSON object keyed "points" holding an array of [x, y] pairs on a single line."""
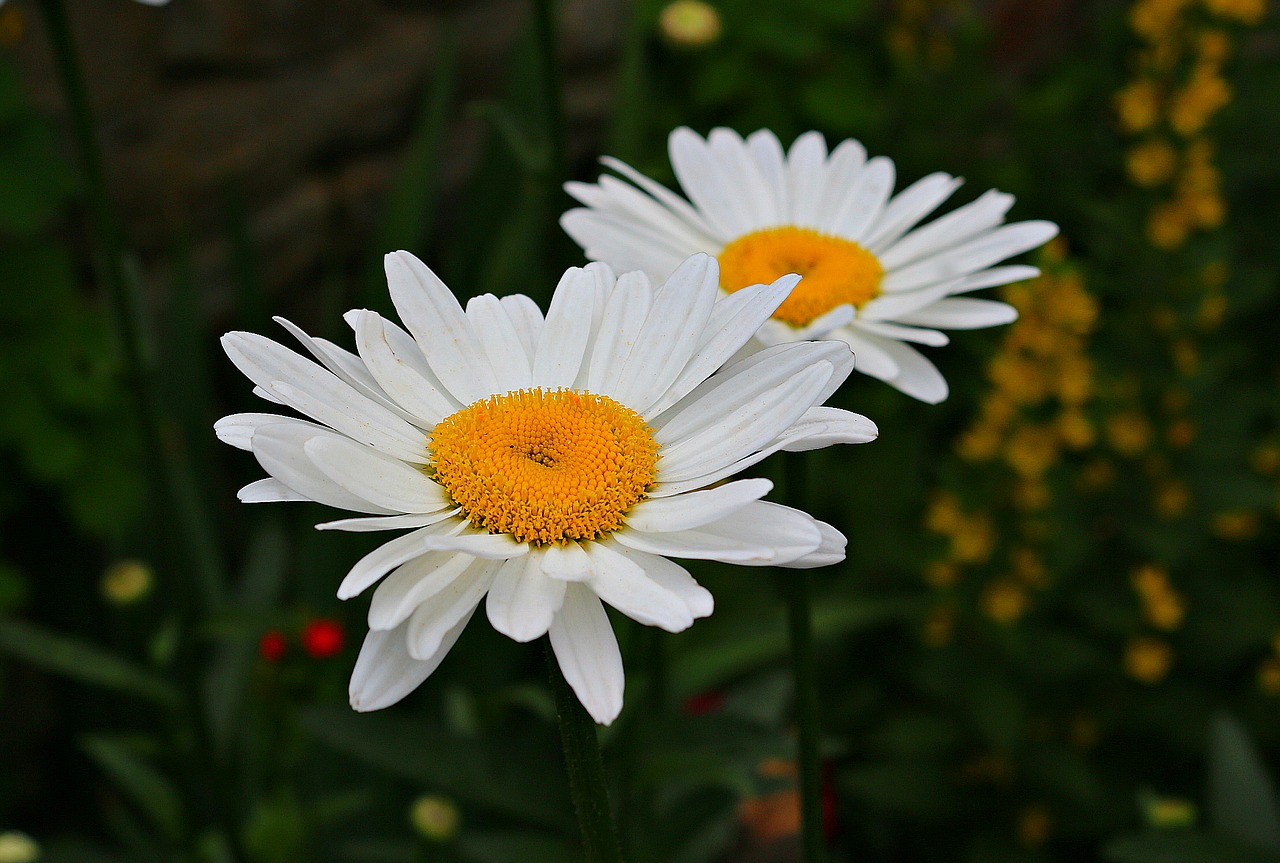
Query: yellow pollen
{"points": [[545, 466], [836, 272]]}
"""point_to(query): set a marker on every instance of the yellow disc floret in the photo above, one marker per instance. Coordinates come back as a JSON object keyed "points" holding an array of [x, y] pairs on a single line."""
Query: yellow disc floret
{"points": [[545, 466], [836, 272]]}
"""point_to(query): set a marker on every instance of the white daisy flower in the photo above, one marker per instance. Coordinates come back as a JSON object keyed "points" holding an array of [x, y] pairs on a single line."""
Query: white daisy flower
{"points": [[871, 277], [544, 465]]}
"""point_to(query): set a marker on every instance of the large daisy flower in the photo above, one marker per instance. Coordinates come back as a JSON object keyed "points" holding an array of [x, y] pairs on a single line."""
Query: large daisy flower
{"points": [[872, 278], [544, 465]]}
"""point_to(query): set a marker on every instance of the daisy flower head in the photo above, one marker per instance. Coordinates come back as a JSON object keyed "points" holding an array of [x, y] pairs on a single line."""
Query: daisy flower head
{"points": [[544, 464], [873, 276]]}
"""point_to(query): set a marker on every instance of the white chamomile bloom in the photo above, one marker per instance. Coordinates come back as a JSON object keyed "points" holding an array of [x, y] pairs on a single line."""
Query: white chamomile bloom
{"points": [[871, 277], [544, 465]]}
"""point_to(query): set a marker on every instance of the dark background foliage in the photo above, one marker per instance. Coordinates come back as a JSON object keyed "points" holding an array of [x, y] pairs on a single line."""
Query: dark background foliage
{"points": [[1055, 638]]}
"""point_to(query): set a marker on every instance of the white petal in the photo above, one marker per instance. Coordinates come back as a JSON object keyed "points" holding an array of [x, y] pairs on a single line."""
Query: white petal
{"points": [[870, 356], [269, 490], [385, 673], [671, 576], [806, 173], [892, 307], [317, 392], [388, 556], [626, 586], [613, 197], [824, 426], [501, 343], [889, 330], [760, 534], [442, 331], [695, 509], [279, 449], [624, 315], [567, 331], [830, 551], [400, 373], [740, 170], [718, 199], [523, 601], [670, 333], [624, 244], [946, 232], [346, 365], [237, 429], [377, 478], [432, 621], [917, 377], [963, 314], [847, 161], [734, 319], [995, 276], [386, 522], [907, 208], [527, 319], [415, 582], [664, 196], [587, 651], [491, 546], [866, 199], [971, 256], [567, 562], [772, 164]]}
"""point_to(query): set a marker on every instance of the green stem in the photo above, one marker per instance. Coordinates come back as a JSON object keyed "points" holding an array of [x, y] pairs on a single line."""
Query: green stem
{"points": [[170, 476], [795, 589], [586, 769]]}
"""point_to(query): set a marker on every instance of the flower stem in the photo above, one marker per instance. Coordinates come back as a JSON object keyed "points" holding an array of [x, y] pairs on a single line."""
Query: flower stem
{"points": [[795, 589], [170, 476], [586, 769]]}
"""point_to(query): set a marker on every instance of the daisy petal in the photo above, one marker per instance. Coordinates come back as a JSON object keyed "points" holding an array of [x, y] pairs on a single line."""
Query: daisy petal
{"points": [[759, 534], [699, 174], [567, 562], [671, 576], [830, 551], [322, 395], [737, 166], [397, 373], [587, 651], [385, 673], [527, 319], [806, 173], [917, 377], [663, 346], [626, 586], [946, 232], [897, 332], [413, 583], [971, 256], [866, 199], [238, 429], [501, 343], [491, 546], [995, 276], [269, 490], [279, 449], [387, 557], [377, 478], [664, 196], [767, 152], [686, 511], [847, 161], [567, 331], [824, 426], [431, 622], [523, 601], [446, 337], [624, 315], [908, 207], [386, 522], [963, 314]]}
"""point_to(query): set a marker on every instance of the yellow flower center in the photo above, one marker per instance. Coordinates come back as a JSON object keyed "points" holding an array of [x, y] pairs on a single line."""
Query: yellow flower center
{"points": [[545, 466], [836, 272]]}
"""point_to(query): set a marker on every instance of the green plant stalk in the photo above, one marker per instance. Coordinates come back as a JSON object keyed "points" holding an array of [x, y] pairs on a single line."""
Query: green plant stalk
{"points": [[796, 593], [585, 767], [170, 476]]}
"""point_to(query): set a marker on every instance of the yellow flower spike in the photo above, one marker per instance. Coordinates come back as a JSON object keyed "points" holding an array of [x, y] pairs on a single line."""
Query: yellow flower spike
{"points": [[1005, 601], [1238, 525], [1129, 433], [1249, 12], [1032, 450], [1138, 106], [975, 541], [1151, 163]]}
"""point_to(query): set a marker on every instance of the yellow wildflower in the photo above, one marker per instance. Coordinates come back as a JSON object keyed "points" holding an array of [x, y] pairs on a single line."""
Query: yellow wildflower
{"points": [[1075, 429], [1235, 525], [1138, 105], [1151, 163], [1214, 46], [1031, 495], [975, 541], [1129, 432], [1148, 659], [1266, 458], [1181, 433], [943, 514], [1168, 226], [1028, 566], [1269, 676], [1172, 499], [941, 574], [1032, 450], [1213, 308], [1034, 825], [1194, 105], [1097, 475], [1245, 11], [1005, 601]]}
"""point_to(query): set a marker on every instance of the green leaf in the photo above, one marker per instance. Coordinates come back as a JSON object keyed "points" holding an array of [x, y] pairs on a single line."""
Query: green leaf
{"points": [[1242, 799], [153, 793], [81, 661]]}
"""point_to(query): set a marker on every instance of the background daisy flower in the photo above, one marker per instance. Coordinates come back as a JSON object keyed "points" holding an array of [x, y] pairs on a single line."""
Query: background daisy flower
{"points": [[872, 278], [544, 465]]}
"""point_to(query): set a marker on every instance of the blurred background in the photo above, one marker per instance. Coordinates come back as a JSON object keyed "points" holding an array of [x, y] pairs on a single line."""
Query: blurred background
{"points": [[1057, 636]]}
